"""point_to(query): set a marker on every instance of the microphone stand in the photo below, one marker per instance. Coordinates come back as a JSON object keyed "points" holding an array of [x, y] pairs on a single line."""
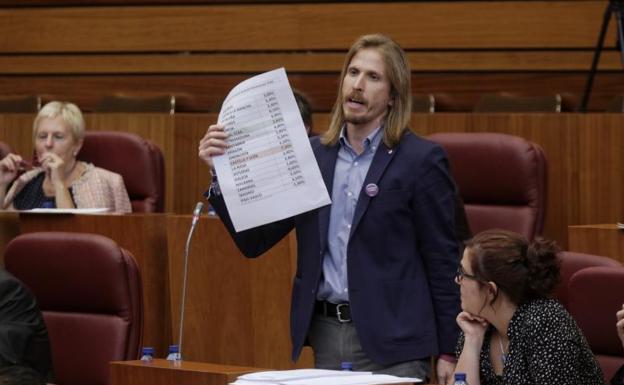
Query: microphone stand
{"points": [[615, 7], [196, 214]]}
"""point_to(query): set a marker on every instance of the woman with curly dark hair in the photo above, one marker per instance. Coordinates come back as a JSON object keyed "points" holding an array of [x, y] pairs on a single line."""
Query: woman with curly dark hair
{"points": [[512, 332]]}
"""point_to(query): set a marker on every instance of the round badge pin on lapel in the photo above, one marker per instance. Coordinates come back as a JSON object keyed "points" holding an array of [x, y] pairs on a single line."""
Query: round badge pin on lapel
{"points": [[371, 189]]}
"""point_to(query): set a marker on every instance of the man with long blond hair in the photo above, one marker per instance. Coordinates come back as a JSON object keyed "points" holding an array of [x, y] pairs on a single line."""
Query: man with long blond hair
{"points": [[375, 273]]}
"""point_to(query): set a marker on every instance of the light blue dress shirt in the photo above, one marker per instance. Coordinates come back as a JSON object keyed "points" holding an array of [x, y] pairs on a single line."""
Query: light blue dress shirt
{"points": [[349, 175]]}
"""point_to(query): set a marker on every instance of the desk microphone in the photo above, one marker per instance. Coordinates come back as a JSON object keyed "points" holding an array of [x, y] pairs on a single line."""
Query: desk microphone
{"points": [[196, 213]]}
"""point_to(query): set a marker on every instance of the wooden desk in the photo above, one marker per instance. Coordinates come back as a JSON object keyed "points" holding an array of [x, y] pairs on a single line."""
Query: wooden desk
{"points": [[141, 234], [237, 309], [163, 372], [604, 239]]}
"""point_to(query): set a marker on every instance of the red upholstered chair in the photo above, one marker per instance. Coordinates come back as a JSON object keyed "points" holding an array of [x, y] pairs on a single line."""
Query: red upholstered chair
{"points": [[572, 262], [89, 290], [5, 150], [137, 160], [596, 293], [501, 178]]}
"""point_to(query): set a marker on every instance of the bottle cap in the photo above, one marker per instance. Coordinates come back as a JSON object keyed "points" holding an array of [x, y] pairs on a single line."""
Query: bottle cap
{"points": [[148, 350], [460, 376], [174, 348], [346, 365]]}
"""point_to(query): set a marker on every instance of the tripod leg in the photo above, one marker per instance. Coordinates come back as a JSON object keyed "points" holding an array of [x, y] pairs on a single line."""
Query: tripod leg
{"points": [[620, 31], [598, 50]]}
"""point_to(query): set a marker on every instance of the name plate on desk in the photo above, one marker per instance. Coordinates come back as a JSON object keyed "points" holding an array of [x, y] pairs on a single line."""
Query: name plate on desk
{"points": [[163, 372]]}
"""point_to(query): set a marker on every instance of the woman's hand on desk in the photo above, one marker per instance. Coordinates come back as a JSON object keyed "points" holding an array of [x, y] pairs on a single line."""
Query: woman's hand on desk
{"points": [[214, 143]]}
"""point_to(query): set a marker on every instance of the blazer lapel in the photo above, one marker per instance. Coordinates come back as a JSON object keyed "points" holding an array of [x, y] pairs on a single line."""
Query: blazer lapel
{"points": [[378, 166], [327, 164]]}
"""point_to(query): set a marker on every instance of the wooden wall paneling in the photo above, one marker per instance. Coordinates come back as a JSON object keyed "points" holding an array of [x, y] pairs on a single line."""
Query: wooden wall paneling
{"points": [[585, 163], [597, 239], [420, 25], [16, 131], [601, 167], [157, 128], [236, 308], [453, 91], [145, 237], [209, 91], [24, 3], [191, 175], [306, 62]]}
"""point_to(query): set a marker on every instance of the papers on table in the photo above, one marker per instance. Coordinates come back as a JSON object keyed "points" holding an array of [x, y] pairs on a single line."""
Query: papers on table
{"points": [[320, 377], [620, 225], [269, 171]]}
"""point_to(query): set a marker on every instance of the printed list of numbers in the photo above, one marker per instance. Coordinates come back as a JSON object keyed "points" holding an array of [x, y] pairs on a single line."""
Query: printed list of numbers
{"points": [[261, 155]]}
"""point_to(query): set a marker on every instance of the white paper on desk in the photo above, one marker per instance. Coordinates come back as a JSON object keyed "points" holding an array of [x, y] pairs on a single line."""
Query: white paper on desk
{"points": [[358, 379], [269, 171], [320, 377], [296, 374]]}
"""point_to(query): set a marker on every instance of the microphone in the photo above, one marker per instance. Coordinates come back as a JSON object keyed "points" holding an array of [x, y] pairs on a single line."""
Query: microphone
{"points": [[196, 213]]}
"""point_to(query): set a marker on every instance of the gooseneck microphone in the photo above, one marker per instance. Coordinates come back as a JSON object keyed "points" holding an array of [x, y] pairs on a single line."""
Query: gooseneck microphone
{"points": [[196, 213]]}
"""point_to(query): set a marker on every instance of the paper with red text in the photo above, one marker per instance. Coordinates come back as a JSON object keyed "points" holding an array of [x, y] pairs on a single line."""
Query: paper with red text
{"points": [[269, 171]]}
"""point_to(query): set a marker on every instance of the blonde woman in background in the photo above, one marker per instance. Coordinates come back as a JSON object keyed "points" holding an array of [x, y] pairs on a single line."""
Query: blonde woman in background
{"points": [[57, 179]]}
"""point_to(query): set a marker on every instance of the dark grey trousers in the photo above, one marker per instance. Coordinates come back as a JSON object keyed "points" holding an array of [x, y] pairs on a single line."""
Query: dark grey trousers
{"points": [[334, 342]]}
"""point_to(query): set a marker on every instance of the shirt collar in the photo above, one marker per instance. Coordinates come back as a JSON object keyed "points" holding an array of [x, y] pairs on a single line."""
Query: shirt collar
{"points": [[372, 140]]}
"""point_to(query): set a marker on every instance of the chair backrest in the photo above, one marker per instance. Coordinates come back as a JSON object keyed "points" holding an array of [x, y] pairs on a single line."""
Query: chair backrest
{"points": [[5, 150], [571, 262], [137, 160], [506, 102], [137, 103], [596, 294], [89, 290], [20, 103], [501, 178]]}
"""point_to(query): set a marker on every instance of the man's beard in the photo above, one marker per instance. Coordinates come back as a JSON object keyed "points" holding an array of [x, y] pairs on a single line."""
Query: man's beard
{"points": [[349, 118]]}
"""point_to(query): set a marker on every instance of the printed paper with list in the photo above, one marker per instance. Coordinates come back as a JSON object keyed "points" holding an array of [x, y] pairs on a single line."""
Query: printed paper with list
{"points": [[269, 171]]}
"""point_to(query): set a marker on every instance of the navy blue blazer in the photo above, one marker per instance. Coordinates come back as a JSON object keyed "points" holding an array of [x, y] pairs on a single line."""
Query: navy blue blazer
{"points": [[401, 258]]}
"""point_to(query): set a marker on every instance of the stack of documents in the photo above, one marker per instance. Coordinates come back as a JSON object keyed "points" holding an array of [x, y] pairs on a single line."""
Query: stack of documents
{"points": [[320, 377]]}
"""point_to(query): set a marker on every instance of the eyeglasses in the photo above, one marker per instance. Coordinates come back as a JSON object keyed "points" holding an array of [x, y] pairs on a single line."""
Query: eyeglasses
{"points": [[461, 274]]}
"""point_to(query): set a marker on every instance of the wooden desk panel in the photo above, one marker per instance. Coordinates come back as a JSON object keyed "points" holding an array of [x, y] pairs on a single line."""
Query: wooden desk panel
{"points": [[605, 239], [162, 372], [237, 309], [144, 236]]}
